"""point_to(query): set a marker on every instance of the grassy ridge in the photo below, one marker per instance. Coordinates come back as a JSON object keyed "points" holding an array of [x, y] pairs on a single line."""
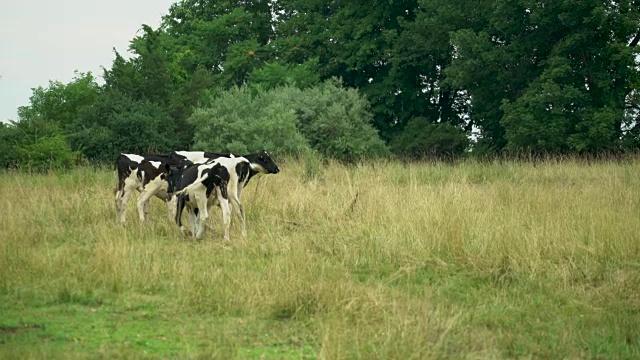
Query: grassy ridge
{"points": [[380, 260]]}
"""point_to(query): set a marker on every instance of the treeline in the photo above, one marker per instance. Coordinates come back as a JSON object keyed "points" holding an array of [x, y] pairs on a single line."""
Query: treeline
{"points": [[353, 79]]}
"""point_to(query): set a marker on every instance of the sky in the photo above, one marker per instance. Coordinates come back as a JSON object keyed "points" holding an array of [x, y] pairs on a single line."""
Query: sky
{"points": [[42, 40]]}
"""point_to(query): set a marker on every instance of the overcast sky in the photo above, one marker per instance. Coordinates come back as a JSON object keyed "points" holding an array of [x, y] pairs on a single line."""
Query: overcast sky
{"points": [[42, 40]]}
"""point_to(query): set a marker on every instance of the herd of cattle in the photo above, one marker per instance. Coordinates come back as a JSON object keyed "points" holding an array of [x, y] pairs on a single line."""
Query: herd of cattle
{"points": [[192, 179]]}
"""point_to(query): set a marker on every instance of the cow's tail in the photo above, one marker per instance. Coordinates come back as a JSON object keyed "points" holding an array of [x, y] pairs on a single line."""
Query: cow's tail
{"points": [[115, 174], [223, 188], [179, 208]]}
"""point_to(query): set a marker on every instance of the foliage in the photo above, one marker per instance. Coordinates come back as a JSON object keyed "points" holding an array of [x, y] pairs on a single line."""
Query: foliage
{"points": [[523, 75], [353, 40], [631, 126], [328, 118], [7, 143], [275, 74], [35, 145], [121, 124], [336, 121], [422, 138], [61, 104], [240, 122], [549, 77], [45, 153]]}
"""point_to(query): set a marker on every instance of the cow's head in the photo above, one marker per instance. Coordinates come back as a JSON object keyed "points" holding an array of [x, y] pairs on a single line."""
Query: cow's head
{"points": [[262, 162], [173, 175]]}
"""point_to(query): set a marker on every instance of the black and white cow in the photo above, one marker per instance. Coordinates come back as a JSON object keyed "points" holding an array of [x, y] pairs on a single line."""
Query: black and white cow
{"points": [[149, 175], [146, 174], [240, 170], [199, 186], [261, 162]]}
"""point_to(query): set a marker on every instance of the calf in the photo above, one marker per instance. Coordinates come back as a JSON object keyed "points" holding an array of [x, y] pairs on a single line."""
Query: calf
{"points": [[241, 170], [260, 162], [146, 174], [195, 188]]}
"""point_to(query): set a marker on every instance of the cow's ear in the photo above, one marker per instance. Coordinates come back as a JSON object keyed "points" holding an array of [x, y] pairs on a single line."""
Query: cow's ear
{"points": [[167, 168]]}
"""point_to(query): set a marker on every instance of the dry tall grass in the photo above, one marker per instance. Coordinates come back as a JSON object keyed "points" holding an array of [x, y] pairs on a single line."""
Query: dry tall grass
{"points": [[379, 260]]}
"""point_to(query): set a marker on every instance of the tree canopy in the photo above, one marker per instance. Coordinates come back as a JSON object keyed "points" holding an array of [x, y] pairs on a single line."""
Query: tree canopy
{"points": [[522, 75]]}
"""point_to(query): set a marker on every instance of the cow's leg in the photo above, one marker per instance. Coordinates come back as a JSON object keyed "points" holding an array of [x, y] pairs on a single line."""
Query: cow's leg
{"points": [[240, 191], [203, 214], [146, 209], [172, 203], [118, 199], [155, 187], [234, 200], [226, 214], [193, 220], [178, 203], [122, 198], [240, 211], [202, 218], [143, 203]]}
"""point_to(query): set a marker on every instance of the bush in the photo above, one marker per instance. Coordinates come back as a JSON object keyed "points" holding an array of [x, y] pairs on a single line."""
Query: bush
{"points": [[327, 118], [35, 145], [336, 121], [51, 152], [239, 122], [421, 138]]}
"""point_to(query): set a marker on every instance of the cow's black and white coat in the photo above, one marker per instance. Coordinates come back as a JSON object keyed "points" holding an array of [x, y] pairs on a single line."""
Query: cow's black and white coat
{"points": [[146, 174], [151, 175], [199, 187], [238, 172]]}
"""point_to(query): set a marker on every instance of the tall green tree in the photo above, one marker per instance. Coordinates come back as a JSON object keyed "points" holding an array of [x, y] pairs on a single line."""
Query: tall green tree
{"points": [[60, 104], [228, 38], [352, 40], [549, 76], [119, 123]]}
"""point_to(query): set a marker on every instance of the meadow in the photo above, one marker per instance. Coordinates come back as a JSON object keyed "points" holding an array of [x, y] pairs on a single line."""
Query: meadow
{"points": [[380, 260]]}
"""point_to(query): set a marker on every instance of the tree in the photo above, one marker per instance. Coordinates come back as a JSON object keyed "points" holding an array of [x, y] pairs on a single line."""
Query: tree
{"points": [[424, 139], [549, 77], [352, 41], [228, 38], [275, 74], [59, 103], [119, 123]]}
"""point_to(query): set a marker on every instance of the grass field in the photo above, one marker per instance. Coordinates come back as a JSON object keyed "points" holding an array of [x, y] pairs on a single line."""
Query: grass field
{"points": [[382, 260]]}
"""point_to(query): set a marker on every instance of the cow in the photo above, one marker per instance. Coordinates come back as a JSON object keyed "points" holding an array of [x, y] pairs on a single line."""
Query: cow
{"points": [[261, 161], [240, 170], [146, 174], [198, 187], [151, 179]]}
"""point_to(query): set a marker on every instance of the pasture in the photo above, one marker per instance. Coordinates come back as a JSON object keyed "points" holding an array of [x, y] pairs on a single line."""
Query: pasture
{"points": [[381, 260]]}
